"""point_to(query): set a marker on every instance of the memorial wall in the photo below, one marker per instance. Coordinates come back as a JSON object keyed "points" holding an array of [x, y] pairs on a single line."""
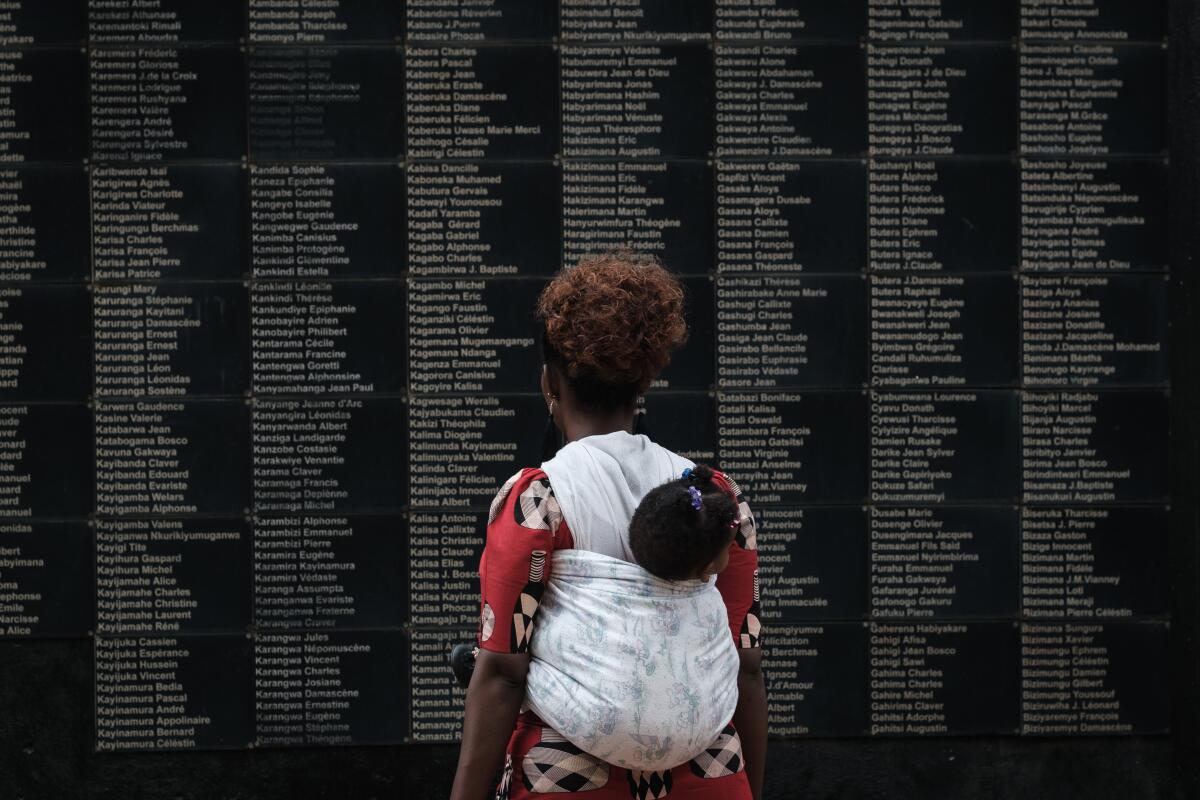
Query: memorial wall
{"points": [[267, 273]]}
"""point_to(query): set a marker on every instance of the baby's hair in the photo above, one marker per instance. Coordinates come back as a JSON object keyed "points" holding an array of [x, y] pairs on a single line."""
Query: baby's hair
{"points": [[681, 527]]}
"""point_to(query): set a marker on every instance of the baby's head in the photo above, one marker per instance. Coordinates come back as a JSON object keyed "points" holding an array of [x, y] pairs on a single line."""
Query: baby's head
{"points": [[683, 528]]}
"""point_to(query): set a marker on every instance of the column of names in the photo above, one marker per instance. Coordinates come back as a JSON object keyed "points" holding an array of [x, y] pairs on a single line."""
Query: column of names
{"points": [[329, 416], [1093, 361], [170, 316]]}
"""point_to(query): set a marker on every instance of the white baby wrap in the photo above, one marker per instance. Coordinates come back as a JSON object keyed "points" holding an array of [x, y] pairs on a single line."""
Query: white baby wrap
{"points": [[636, 670]]}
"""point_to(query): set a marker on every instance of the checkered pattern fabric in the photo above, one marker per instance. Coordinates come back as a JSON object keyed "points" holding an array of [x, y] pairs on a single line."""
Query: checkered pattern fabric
{"points": [[555, 765], [747, 533], [505, 785], [733, 487], [527, 603], [523, 614], [723, 758], [501, 496], [649, 785], [751, 632], [487, 623], [537, 508], [532, 761]]}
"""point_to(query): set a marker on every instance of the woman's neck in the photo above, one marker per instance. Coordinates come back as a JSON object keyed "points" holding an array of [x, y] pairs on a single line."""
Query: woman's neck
{"points": [[578, 426]]}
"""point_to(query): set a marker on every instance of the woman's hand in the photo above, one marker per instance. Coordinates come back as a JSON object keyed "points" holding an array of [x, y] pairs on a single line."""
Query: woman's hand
{"points": [[493, 702]]}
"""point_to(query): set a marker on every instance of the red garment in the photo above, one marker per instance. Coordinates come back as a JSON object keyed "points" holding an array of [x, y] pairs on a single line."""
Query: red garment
{"points": [[540, 763], [525, 526]]}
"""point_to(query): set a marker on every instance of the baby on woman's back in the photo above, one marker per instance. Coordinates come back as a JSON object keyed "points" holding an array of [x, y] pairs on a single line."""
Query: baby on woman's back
{"points": [[634, 663], [682, 530]]}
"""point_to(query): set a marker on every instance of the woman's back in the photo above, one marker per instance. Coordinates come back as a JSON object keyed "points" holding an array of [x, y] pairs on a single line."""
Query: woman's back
{"points": [[637, 670], [609, 326], [598, 482]]}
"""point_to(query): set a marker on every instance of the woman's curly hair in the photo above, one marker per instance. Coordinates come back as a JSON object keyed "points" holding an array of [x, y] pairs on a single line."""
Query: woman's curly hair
{"points": [[610, 325]]}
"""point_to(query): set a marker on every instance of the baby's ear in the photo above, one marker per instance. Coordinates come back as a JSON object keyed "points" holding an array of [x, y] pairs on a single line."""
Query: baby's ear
{"points": [[710, 569]]}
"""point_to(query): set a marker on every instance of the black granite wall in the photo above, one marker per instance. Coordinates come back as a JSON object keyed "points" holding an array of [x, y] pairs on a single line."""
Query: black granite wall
{"points": [[265, 284]]}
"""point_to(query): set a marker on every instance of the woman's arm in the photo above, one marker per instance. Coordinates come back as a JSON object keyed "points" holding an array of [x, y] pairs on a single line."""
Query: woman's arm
{"points": [[493, 702], [738, 584], [524, 527], [750, 718]]}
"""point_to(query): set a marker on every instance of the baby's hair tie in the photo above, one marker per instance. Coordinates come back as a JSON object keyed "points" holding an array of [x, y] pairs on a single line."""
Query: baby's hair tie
{"points": [[687, 473], [736, 521], [695, 493]]}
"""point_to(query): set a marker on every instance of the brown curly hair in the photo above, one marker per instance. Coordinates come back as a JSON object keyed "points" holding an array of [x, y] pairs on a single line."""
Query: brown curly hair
{"points": [[610, 324]]}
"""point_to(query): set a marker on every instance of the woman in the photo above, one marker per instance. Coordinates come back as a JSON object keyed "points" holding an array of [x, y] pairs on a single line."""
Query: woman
{"points": [[609, 327]]}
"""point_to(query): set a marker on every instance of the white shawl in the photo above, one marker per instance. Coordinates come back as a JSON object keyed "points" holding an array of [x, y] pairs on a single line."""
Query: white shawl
{"points": [[633, 669]]}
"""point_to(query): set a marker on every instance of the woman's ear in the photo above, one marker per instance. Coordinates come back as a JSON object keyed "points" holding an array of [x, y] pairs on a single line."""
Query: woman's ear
{"points": [[551, 381]]}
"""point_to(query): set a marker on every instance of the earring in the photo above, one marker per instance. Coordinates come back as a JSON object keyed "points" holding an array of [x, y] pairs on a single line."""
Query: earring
{"points": [[552, 437], [640, 426]]}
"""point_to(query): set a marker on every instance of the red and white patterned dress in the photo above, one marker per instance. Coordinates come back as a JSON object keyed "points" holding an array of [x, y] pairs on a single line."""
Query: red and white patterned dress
{"points": [[524, 527]]}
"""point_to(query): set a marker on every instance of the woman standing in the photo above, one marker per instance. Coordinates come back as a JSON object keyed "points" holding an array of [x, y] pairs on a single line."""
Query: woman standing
{"points": [[610, 326]]}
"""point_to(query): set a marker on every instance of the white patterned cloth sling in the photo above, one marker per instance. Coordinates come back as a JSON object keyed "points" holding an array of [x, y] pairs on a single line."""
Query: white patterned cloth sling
{"points": [[635, 670], [632, 669]]}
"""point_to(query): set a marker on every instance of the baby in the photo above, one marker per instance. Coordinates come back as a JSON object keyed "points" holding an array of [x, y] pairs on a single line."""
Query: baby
{"points": [[683, 528]]}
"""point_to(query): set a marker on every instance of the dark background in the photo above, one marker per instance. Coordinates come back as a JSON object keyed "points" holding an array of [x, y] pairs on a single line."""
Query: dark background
{"points": [[47, 734]]}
